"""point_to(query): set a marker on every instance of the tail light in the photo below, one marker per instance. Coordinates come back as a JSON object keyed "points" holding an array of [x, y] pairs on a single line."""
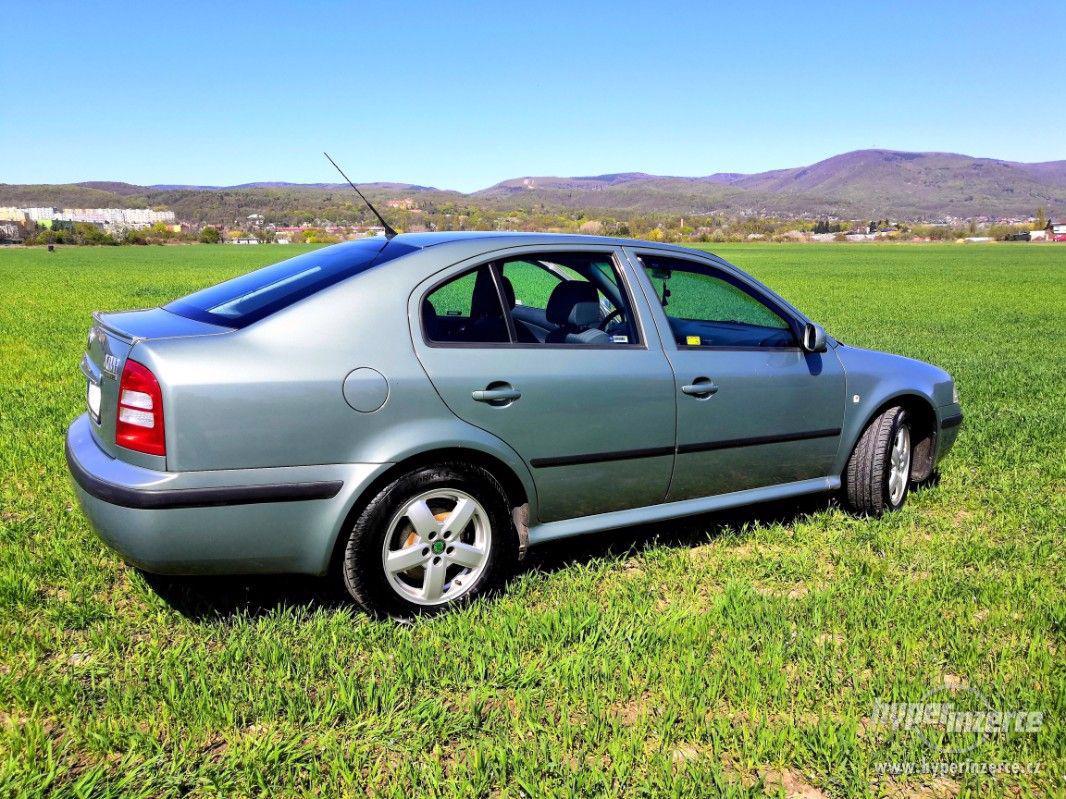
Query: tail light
{"points": [[139, 425]]}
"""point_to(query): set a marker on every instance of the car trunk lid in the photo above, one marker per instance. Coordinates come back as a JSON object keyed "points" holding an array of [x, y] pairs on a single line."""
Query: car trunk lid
{"points": [[112, 338]]}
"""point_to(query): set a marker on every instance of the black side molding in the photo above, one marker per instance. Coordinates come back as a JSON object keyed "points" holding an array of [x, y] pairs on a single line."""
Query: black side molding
{"points": [[198, 497], [754, 441], [601, 457], [651, 452], [951, 421]]}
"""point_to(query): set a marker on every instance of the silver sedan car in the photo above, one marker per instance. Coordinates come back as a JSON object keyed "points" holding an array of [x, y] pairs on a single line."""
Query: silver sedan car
{"points": [[412, 413]]}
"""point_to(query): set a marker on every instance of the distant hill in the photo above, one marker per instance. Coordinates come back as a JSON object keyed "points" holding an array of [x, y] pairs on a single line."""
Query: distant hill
{"points": [[112, 186], [921, 183], [409, 187], [1048, 170], [860, 184], [592, 183]]}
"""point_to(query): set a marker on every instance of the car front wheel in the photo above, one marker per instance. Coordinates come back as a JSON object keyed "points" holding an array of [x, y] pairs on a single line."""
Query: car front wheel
{"points": [[435, 537], [878, 475]]}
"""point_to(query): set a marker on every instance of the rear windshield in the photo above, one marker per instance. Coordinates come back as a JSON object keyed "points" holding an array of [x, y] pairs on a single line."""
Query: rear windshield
{"points": [[246, 299]]}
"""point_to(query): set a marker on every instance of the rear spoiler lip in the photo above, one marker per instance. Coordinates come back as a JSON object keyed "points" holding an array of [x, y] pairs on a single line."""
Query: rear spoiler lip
{"points": [[116, 328], [98, 321]]}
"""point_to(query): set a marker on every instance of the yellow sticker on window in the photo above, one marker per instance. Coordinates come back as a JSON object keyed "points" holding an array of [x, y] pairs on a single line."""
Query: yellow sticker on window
{"points": [[692, 341]]}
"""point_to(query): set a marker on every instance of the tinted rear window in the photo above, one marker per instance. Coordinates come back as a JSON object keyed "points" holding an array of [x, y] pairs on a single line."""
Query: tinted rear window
{"points": [[246, 299]]}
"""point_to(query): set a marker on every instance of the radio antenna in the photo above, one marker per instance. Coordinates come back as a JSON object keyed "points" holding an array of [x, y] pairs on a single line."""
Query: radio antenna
{"points": [[389, 232]]}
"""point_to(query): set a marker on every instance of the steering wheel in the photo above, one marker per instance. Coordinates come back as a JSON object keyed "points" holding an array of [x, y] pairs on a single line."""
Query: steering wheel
{"points": [[607, 319]]}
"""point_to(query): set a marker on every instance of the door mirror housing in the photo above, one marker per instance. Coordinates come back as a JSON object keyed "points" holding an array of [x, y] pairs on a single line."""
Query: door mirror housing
{"points": [[814, 338]]}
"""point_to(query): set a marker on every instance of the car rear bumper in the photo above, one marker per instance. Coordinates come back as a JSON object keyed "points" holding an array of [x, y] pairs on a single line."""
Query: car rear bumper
{"points": [[214, 522]]}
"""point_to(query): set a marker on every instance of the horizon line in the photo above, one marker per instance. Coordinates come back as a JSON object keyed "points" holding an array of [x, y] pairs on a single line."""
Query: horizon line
{"points": [[251, 183]]}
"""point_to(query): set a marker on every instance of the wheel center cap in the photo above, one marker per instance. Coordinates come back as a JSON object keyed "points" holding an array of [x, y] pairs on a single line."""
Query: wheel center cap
{"points": [[438, 547]]}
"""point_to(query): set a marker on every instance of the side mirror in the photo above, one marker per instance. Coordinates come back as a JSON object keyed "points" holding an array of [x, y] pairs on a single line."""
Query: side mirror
{"points": [[814, 338]]}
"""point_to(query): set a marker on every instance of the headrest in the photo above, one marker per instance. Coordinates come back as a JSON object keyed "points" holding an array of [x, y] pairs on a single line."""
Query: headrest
{"points": [[484, 301], [508, 291], [574, 303], [430, 320]]}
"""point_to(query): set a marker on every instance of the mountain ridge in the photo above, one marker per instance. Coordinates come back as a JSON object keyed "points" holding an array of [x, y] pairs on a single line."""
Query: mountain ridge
{"points": [[279, 184], [879, 182], [872, 183]]}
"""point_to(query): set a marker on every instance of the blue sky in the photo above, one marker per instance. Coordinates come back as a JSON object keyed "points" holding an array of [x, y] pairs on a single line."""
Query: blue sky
{"points": [[461, 95]]}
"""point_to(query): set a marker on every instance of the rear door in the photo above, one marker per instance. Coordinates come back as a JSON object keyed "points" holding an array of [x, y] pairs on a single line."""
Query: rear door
{"points": [[586, 399], [753, 408]]}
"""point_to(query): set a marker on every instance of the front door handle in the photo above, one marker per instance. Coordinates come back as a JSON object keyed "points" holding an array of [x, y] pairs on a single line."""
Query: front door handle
{"points": [[497, 393], [701, 388]]}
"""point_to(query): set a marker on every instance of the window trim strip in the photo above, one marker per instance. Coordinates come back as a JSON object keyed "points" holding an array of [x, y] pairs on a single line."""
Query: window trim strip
{"points": [[497, 281]]}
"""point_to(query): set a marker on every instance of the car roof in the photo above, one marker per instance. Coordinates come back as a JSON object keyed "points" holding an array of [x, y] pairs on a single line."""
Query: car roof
{"points": [[501, 238]]}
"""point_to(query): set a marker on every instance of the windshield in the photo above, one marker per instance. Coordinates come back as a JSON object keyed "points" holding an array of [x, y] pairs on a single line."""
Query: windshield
{"points": [[251, 297]]}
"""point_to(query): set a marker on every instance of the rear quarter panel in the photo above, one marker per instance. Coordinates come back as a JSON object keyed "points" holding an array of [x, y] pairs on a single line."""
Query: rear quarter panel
{"points": [[271, 394]]}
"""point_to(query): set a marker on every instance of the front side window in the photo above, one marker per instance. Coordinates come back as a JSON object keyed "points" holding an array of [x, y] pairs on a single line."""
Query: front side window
{"points": [[708, 308]]}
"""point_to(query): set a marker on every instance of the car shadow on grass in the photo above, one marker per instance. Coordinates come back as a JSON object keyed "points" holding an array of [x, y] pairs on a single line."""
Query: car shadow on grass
{"points": [[226, 598], [691, 531], [250, 597]]}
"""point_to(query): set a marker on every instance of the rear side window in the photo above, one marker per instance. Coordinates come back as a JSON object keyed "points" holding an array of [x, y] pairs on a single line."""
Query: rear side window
{"points": [[533, 284], [246, 299], [466, 309], [556, 298], [568, 298]]}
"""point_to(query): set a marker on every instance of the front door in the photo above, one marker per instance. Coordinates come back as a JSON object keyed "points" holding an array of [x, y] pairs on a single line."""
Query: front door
{"points": [[546, 350], [753, 408]]}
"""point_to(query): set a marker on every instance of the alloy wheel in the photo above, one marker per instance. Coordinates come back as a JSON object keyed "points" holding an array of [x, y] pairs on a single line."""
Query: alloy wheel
{"points": [[899, 465], [437, 547]]}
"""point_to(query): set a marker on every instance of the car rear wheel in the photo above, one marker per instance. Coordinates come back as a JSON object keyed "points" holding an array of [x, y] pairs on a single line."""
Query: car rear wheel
{"points": [[878, 475], [433, 538]]}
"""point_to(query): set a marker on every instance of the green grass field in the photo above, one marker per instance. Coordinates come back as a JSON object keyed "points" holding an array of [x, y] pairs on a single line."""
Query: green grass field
{"points": [[734, 656]]}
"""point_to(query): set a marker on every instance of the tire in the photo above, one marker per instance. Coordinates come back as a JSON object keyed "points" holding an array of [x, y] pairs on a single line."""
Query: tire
{"points": [[871, 485], [417, 520]]}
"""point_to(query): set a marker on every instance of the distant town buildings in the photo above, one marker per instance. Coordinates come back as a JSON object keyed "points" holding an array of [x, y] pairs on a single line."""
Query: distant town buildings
{"points": [[1056, 230], [20, 224], [43, 224], [11, 232], [15, 225], [14, 215], [112, 217], [125, 217]]}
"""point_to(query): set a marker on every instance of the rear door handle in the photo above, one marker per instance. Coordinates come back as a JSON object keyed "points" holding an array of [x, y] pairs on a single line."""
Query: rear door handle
{"points": [[700, 387], [497, 393]]}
